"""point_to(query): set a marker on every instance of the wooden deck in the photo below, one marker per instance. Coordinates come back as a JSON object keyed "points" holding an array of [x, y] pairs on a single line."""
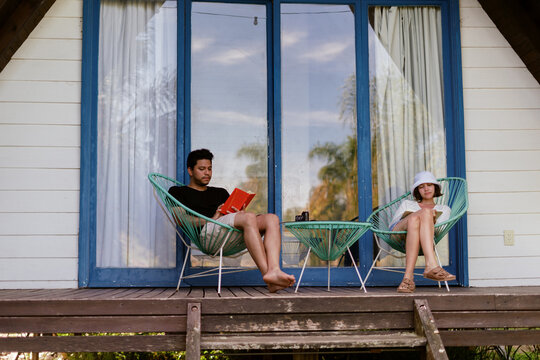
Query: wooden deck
{"points": [[251, 319]]}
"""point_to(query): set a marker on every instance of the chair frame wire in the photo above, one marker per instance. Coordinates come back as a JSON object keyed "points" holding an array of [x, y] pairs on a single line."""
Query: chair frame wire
{"points": [[225, 240], [328, 240], [455, 196]]}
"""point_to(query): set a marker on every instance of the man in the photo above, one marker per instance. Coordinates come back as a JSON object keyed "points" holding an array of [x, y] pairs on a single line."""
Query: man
{"points": [[207, 200]]}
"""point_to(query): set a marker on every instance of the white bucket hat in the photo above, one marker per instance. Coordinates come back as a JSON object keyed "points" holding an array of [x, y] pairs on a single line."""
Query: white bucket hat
{"points": [[424, 177]]}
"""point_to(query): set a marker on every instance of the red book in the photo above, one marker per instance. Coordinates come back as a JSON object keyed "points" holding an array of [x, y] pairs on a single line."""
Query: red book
{"points": [[237, 199]]}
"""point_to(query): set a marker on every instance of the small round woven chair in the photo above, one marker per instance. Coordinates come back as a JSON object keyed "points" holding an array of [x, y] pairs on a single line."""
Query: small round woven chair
{"points": [[455, 196], [328, 240], [224, 240]]}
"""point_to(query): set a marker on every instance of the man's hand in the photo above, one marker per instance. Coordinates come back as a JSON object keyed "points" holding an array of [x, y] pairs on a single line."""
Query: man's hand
{"points": [[218, 213], [231, 211], [235, 210]]}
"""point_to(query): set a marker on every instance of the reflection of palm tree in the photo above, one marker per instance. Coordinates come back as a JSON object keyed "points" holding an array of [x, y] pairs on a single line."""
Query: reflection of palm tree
{"points": [[256, 173], [347, 102], [336, 197]]}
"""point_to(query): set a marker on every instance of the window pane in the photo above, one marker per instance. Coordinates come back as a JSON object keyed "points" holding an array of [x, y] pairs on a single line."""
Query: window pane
{"points": [[229, 100], [136, 132], [318, 117], [406, 103]]}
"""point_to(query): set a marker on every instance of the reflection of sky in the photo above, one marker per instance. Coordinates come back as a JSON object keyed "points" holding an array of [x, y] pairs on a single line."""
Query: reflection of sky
{"points": [[317, 57], [229, 86]]}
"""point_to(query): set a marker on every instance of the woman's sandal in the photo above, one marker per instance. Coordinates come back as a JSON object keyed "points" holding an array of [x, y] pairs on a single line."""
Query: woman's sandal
{"points": [[439, 274], [406, 286]]}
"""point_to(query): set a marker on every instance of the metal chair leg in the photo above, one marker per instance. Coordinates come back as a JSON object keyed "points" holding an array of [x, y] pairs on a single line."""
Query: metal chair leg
{"points": [[328, 275], [183, 268], [440, 264], [373, 264], [303, 268], [357, 272], [220, 266]]}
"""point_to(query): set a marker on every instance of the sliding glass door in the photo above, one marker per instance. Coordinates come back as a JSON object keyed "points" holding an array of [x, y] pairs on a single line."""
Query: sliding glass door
{"points": [[329, 108], [228, 108], [318, 118]]}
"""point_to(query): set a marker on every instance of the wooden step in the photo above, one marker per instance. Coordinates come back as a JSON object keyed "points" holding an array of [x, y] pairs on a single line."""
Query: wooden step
{"points": [[298, 341]]}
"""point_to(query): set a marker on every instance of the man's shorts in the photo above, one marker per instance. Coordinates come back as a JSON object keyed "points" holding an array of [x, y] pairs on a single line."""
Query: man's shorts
{"points": [[213, 230]]}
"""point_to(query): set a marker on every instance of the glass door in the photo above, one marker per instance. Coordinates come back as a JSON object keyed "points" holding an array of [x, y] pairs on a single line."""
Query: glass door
{"points": [[229, 102], [318, 122], [276, 101], [406, 105], [137, 66], [270, 87]]}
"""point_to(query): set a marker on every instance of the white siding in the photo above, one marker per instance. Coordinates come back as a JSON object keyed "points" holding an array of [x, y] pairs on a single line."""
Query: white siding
{"points": [[502, 142], [40, 93]]}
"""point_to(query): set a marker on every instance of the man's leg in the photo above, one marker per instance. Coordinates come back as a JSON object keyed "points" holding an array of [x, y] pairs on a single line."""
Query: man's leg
{"points": [[274, 277], [265, 255]]}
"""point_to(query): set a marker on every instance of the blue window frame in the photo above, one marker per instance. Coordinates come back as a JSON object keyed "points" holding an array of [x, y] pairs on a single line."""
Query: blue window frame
{"points": [[91, 275]]}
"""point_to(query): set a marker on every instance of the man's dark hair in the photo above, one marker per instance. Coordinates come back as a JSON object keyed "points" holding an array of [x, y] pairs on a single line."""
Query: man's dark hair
{"points": [[196, 155], [418, 197]]}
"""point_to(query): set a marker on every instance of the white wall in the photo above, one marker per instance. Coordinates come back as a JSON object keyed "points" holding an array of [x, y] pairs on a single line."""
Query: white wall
{"points": [[39, 154], [502, 137]]}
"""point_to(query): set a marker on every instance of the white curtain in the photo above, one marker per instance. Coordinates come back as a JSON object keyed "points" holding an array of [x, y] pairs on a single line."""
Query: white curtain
{"points": [[406, 82], [136, 132]]}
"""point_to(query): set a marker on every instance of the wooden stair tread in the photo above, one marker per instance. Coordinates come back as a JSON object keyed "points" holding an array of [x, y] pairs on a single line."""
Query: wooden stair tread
{"points": [[258, 341]]}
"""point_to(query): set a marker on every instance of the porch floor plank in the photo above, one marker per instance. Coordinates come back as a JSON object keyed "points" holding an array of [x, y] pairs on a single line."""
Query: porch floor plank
{"points": [[227, 293], [157, 293]]}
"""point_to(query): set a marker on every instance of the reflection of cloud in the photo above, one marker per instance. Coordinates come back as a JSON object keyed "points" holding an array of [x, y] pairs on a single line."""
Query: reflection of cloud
{"points": [[325, 52], [232, 56], [198, 44], [228, 117], [290, 38], [313, 118]]}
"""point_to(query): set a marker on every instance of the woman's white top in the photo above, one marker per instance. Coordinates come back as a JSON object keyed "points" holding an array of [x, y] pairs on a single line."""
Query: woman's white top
{"points": [[413, 206]]}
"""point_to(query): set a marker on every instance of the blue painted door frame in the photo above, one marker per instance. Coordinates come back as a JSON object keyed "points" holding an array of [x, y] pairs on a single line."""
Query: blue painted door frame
{"points": [[91, 276]]}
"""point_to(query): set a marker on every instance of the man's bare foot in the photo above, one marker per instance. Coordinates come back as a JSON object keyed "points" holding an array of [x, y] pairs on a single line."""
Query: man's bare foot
{"points": [[274, 288], [277, 280]]}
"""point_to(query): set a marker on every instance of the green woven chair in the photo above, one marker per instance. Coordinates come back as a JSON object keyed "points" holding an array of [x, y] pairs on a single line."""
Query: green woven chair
{"points": [[454, 191], [223, 241], [328, 240]]}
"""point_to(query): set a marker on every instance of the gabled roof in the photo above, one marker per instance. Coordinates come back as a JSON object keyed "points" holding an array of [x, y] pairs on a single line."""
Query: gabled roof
{"points": [[519, 22], [17, 20]]}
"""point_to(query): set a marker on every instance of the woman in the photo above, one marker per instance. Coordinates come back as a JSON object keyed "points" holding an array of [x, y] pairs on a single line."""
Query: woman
{"points": [[418, 218]]}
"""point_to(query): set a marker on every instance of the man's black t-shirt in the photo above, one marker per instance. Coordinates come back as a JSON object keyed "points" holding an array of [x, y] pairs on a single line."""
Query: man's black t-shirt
{"points": [[204, 202]]}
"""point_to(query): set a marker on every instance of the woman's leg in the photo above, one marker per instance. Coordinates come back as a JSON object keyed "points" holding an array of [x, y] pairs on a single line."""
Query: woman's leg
{"points": [[427, 228], [412, 244], [420, 232], [411, 224]]}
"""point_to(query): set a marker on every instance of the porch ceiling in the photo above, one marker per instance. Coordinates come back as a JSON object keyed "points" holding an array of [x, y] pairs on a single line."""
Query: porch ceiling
{"points": [[17, 20], [519, 22]]}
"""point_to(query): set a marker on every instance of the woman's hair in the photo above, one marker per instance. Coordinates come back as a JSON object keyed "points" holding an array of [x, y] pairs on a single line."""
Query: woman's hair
{"points": [[418, 197]]}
